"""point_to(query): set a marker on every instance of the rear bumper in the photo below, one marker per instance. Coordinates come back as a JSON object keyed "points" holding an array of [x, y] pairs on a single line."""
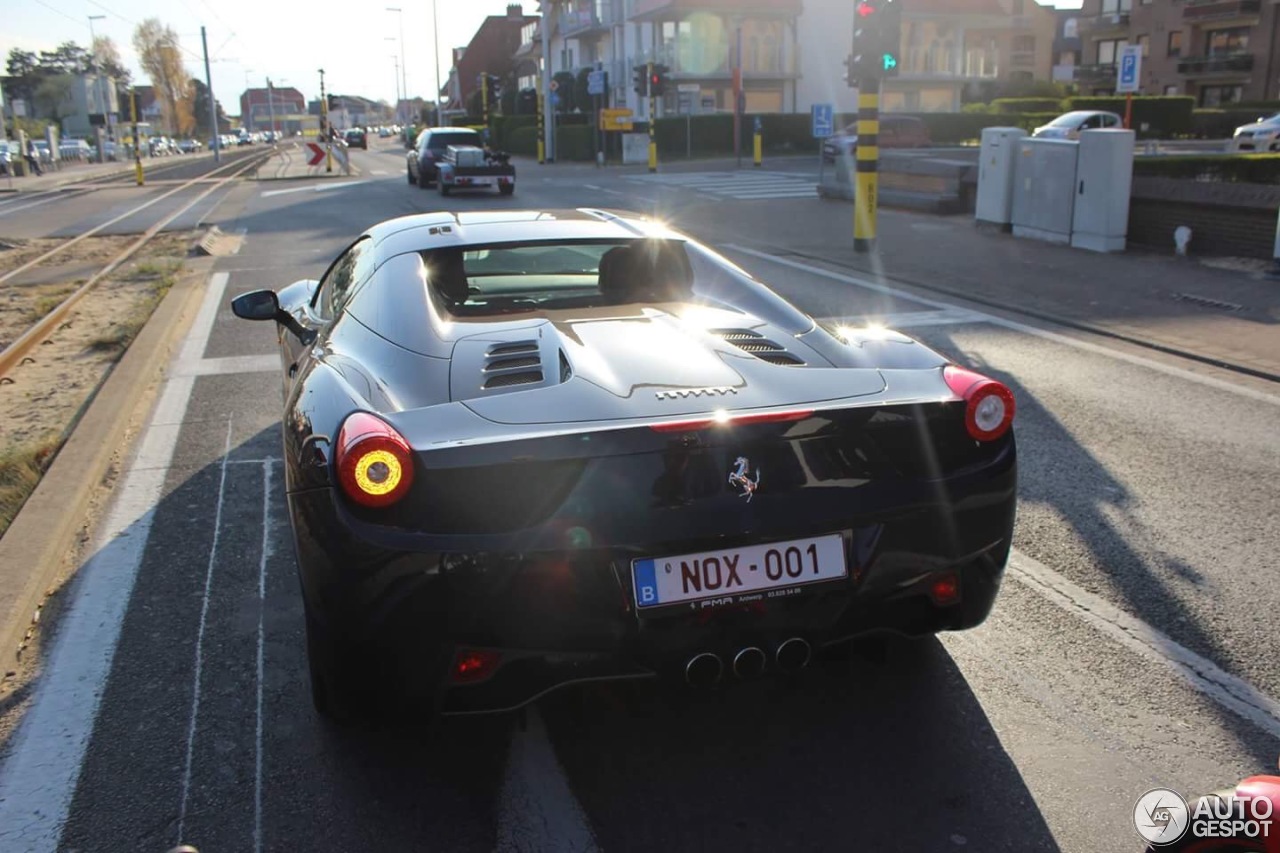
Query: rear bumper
{"points": [[565, 614]]}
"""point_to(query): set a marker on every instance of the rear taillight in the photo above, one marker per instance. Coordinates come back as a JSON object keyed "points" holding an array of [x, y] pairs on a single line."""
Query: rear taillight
{"points": [[989, 405], [375, 463], [472, 665]]}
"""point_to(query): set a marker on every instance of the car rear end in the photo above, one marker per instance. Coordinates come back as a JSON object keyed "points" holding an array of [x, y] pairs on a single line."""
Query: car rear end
{"points": [[697, 548]]}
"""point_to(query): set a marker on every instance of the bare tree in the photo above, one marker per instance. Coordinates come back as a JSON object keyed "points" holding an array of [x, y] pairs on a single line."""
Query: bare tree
{"points": [[161, 57]]}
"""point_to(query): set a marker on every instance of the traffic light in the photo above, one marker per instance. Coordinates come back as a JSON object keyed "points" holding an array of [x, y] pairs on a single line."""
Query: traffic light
{"points": [[493, 88], [658, 81], [641, 84], [877, 39]]}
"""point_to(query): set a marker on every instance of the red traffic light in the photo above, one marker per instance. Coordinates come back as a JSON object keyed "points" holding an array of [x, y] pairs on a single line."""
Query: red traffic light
{"points": [[865, 9]]}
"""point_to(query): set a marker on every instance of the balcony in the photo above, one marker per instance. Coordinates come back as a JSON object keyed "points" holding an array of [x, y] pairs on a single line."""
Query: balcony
{"points": [[1109, 23], [923, 65], [1204, 66], [1220, 10], [586, 22]]}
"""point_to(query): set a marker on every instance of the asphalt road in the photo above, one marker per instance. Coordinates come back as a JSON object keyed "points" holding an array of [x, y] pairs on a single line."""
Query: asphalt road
{"points": [[175, 707]]}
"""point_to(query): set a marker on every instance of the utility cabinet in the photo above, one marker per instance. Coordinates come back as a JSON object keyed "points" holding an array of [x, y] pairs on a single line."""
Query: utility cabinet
{"points": [[996, 159], [1044, 189], [1104, 179]]}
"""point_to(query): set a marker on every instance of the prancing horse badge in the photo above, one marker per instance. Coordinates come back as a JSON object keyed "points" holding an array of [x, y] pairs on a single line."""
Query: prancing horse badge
{"points": [[740, 477]]}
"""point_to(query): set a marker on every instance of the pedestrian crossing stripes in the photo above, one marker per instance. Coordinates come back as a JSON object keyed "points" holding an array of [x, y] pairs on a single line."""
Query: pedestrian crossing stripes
{"points": [[747, 186]]}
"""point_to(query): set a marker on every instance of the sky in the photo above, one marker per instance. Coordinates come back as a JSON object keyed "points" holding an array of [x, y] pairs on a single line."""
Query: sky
{"points": [[287, 40]]}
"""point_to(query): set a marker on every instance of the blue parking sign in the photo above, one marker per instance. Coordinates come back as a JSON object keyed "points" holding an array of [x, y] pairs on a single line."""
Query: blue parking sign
{"points": [[823, 119], [1129, 69]]}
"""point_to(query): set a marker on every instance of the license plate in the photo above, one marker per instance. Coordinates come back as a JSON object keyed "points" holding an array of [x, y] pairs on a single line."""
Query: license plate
{"points": [[732, 575]]}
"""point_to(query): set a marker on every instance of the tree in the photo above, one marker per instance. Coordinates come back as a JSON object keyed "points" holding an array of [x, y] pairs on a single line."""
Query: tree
{"points": [[161, 57], [67, 58], [23, 68], [52, 95], [200, 103]]}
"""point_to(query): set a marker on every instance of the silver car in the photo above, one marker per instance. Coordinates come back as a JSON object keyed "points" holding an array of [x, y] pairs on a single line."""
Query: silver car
{"points": [[1262, 135], [1069, 125]]}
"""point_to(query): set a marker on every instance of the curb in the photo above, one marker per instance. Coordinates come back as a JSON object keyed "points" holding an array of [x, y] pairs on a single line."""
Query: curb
{"points": [[34, 549]]}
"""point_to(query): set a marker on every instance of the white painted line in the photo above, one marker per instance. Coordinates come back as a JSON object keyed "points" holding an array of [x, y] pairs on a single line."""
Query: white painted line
{"points": [[810, 193], [199, 655], [5, 211], [313, 189], [536, 809], [202, 327], [1065, 340], [262, 604], [50, 743], [379, 172], [612, 192], [910, 319], [591, 186], [230, 364], [1139, 637]]}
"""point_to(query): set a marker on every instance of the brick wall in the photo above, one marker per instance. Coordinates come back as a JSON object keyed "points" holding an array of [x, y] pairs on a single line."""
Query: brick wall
{"points": [[1225, 219]]}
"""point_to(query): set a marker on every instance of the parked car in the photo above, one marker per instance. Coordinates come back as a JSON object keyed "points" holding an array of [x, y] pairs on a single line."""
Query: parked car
{"points": [[531, 448], [895, 132], [430, 147], [189, 146], [1262, 135], [356, 138], [74, 149], [1069, 125], [42, 150], [7, 154]]}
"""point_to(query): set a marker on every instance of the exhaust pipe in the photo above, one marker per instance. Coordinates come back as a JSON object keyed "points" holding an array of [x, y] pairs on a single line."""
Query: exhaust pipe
{"points": [[793, 655], [703, 670], [749, 663]]}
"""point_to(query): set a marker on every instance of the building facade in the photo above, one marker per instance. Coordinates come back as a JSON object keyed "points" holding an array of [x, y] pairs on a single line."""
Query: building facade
{"points": [[491, 50], [1218, 51], [258, 105]]}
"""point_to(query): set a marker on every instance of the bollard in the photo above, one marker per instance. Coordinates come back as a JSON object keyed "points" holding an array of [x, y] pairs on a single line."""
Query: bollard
{"points": [[758, 143], [1274, 272]]}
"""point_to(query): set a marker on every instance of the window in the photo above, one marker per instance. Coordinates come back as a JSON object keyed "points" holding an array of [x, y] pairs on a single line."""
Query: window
{"points": [[1220, 42], [1216, 96], [1109, 51], [1144, 42], [1024, 44], [1071, 29], [1116, 7], [1171, 89], [352, 267], [1175, 43]]}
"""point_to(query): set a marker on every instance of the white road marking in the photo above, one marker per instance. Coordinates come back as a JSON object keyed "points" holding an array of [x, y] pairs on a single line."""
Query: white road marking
{"points": [[5, 211], [1065, 340], [536, 809], [591, 187], [379, 172], [745, 186], [1202, 674], [199, 655], [38, 779], [262, 603], [313, 189]]}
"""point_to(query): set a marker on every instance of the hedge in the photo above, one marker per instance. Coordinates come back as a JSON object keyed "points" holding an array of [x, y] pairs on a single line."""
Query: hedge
{"points": [[1219, 124], [522, 140], [1026, 105], [1166, 116], [575, 142], [1227, 168]]}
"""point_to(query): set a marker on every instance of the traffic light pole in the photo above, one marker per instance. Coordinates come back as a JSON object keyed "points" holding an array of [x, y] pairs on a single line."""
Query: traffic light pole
{"points": [[484, 100], [653, 120], [542, 138], [866, 164]]}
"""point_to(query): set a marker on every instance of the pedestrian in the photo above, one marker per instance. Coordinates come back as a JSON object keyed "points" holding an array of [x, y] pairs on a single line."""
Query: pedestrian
{"points": [[33, 157]]}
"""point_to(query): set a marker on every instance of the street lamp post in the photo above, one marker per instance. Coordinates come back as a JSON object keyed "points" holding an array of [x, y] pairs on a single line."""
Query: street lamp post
{"points": [[404, 79], [435, 36], [396, 60]]}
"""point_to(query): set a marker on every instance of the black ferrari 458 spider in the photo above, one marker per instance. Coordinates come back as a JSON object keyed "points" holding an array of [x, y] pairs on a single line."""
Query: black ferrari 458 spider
{"points": [[525, 449]]}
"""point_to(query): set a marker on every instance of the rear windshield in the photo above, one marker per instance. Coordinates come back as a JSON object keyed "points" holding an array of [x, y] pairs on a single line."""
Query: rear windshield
{"points": [[444, 140], [562, 274]]}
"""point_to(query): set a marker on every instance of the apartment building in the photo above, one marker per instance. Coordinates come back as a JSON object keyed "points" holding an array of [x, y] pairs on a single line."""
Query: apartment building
{"points": [[1218, 51]]}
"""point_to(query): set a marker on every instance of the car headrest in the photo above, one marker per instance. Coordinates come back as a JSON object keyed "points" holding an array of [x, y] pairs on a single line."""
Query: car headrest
{"points": [[447, 274], [646, 271]]}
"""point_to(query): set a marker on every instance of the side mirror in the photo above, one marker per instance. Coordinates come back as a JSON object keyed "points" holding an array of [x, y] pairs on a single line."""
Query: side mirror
{"points": [[256, 305]]}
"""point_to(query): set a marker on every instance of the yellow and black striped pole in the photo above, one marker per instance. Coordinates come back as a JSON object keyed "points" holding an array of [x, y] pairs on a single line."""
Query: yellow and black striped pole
{"points": [[653, 118], [866, 165], [542, 133]]}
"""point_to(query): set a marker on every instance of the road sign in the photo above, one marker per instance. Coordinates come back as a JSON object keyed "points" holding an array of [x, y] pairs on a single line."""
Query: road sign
{"points": [[823, 116], [554, 85], [317, 154], [1129, 69], [595, 83], [615, 119], [555, 97]]}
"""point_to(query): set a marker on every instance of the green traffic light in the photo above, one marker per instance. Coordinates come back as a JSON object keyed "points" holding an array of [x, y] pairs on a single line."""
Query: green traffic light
{"points": [[890, 62]]}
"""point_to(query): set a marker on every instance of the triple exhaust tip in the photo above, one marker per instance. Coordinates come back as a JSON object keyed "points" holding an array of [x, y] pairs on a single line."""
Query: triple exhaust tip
{"points": [[705, 669]]}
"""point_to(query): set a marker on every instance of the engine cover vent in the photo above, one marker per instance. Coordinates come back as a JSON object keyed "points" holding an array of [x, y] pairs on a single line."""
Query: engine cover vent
{"points": [[516, 363], [758, 345]]}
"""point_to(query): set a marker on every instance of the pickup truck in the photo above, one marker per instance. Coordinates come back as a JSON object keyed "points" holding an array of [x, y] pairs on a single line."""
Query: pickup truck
{"points": [[468, 167]]}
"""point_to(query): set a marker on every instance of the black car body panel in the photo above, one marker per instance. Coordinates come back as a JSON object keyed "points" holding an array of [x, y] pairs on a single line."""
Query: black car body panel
{"points": [[533, 497]]}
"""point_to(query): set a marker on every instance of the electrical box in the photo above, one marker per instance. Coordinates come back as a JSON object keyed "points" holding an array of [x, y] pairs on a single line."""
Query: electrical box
{"points": [[996, 159], [1044, 189], [1104, 178]]}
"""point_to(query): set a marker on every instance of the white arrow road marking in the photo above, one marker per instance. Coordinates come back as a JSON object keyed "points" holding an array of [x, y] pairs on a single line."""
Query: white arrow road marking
{"points": [[314, 189]]}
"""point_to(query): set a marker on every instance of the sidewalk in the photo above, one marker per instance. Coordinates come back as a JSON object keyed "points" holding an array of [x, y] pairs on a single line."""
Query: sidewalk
{"points": [[74, 171], [1179, 303]]}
